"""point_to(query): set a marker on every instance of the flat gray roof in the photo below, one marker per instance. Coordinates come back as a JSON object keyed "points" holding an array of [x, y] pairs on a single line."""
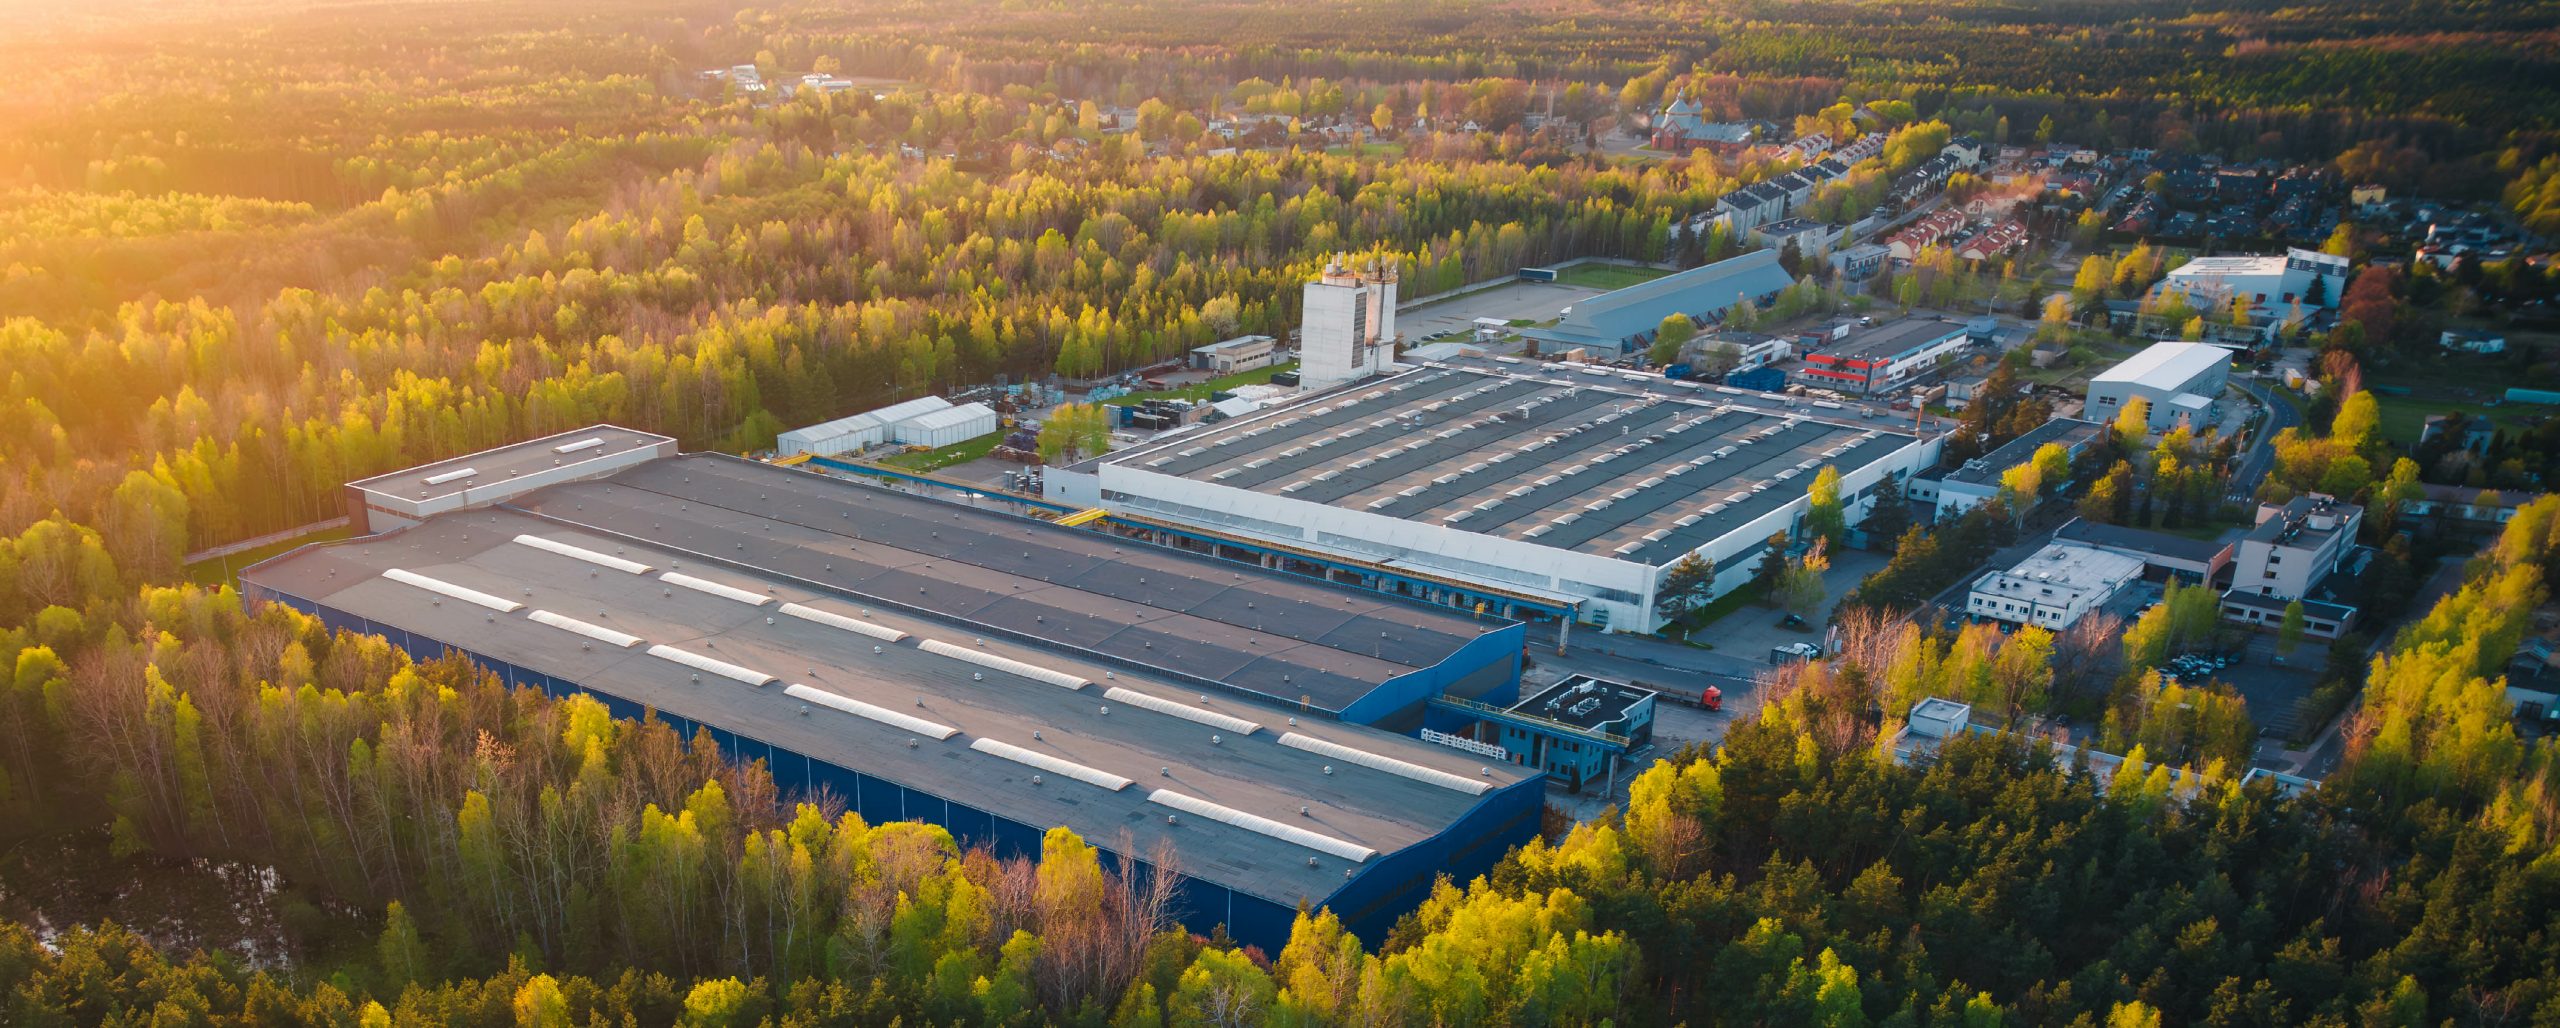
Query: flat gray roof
{"points": [[1570, 456], [1287, 638], [512, 460], [1890, 339], [1143, 743]]}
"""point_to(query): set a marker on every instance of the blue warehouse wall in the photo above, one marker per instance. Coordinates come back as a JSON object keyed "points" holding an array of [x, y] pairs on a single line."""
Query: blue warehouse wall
{"points": [[1370, 903], [1397, 882], [1498, 649]]}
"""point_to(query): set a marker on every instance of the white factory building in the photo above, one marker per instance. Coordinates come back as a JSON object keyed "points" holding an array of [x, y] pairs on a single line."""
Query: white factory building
{"points": [[1578, 484], [923, 421], [2179, 380], [2053, 588], [2265, 281], [1347, 330]]}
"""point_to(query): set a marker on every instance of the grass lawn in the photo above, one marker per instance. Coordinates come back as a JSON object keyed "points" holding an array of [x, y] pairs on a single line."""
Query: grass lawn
{"points": [[219, 570], [2444, 384], [1607, 276], [956, 453], [1258, 376], [1367, 149], [2404, 416]]}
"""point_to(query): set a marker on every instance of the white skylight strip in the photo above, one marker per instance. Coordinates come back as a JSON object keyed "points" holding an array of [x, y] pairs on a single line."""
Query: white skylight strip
{"points": [[726, 592], [451, 591], [1007, 665], [721, 668], [832, 619], [598, 633], [1184, 711], [1390, 765], [589, 443], [1256, 823], [602, 560], [1090, 776], [455, 475], [883, 715]]}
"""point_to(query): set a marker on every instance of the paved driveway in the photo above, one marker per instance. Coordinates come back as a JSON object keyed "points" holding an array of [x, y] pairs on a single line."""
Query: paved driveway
{"points": [[1533, 301]]}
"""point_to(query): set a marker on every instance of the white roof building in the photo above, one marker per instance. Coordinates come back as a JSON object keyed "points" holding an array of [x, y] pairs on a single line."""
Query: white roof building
{"points": [[2178, 380], [2053, 588]]}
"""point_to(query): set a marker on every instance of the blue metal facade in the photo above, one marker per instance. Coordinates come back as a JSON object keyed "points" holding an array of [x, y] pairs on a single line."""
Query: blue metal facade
{"points": [[1407, 691], [1369, 903]]}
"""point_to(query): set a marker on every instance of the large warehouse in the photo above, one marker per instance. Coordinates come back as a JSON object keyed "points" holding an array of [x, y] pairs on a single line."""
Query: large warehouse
{"points": [[2178, 382], [1546, 480], [932, 661], [1625, 320]]}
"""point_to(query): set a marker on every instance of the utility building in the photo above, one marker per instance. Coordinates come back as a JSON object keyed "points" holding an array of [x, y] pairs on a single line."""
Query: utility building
{"points": [[933, 661], [1347, 330]]}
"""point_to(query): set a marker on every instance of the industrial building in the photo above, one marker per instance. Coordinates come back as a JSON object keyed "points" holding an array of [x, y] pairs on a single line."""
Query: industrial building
{"points": [[2309, 277], [1964, 487], [2178, 380], [407, 497], [1877, 360], [1562, 483], [2295, 552], [1607, 719], [996, 675], [1243, 353], [923, 421], [1347, 326], [2053, 588], [1624, 321], [2164, 557]]}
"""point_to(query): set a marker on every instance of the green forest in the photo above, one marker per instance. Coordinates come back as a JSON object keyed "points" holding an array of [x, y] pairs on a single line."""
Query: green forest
{"points": [[249, 252]]}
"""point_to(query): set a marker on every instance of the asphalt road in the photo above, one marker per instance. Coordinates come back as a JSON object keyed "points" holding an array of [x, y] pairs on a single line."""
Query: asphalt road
{"points": [[2261, 456]]}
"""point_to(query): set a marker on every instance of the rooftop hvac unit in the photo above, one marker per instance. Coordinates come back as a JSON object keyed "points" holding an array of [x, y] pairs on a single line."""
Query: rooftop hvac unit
{"points": [[1258, 824], [451, 591], [1032, 758], [832, 619], [599, 633], [1184, 711], [726, 592], [1390, 765], [718, 667], [847, 704], [1008, 665], [602, 560]]}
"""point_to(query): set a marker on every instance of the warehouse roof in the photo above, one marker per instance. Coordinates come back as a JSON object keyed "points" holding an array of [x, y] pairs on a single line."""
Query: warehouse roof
{"points": [[1281, 637], [1986, 469], [1891, 340], [446, 477], [914, 699], [949, 416], [2166, 366], [1572, 457]]}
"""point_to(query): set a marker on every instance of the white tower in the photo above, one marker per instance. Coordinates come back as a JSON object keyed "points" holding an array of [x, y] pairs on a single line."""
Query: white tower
{"points": [[1347, 330]]}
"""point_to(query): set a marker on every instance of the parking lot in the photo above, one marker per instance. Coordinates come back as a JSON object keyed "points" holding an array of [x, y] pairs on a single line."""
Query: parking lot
{"points": [[1516, 301]]}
